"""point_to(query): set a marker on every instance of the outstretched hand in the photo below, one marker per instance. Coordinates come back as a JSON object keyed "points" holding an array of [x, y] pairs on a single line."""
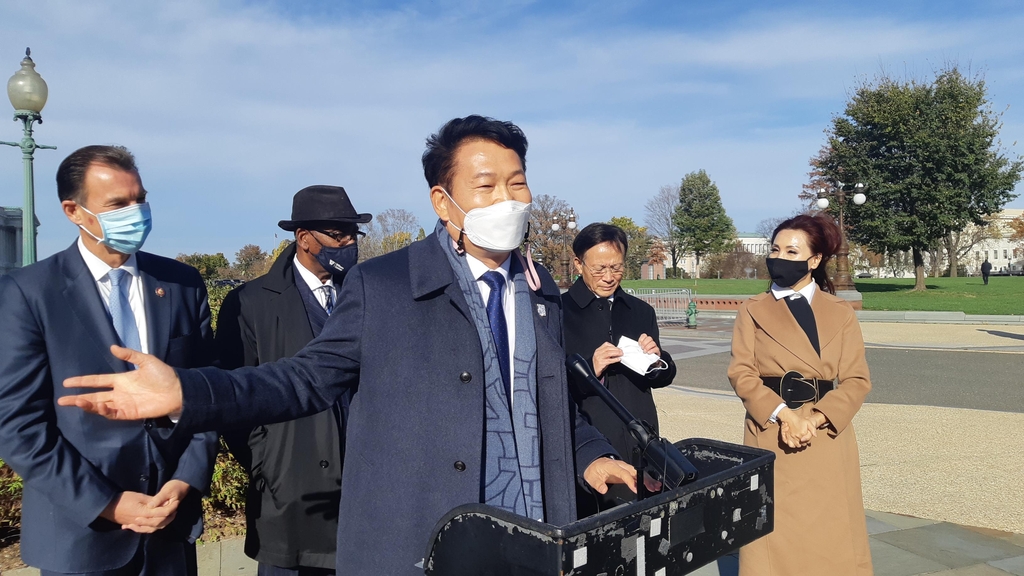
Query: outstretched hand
{"points": [[150, 391]]}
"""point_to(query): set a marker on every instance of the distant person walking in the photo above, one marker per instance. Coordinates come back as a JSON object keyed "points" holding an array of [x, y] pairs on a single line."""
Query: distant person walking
{"points": [[798, 365], [986, 269]]}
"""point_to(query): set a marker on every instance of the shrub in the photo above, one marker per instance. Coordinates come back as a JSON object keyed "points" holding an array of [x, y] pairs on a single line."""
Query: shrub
{"points": [[10, 497]]}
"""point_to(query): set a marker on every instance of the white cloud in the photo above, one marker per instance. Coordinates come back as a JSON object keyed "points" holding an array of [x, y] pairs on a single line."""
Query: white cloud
{"points": [[232, 108]]}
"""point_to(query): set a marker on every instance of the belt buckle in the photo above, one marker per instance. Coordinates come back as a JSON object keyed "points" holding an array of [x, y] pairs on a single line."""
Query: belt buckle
{"points": [[795, 396]]}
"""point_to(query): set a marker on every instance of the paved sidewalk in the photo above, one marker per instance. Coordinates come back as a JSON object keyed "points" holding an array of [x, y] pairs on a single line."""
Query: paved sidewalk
{"points": [[225, 558], [942, 485]]}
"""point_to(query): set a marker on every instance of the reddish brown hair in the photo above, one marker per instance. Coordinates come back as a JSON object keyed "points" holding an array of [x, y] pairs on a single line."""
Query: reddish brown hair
{"points": [[823, 238]]}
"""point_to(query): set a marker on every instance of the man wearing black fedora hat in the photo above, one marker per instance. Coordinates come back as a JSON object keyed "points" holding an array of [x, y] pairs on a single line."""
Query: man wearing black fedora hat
{"points": [[294, 467]]}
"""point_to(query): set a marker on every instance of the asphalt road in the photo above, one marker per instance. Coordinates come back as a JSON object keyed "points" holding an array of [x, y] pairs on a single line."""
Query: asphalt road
{"points": [[952, 379]]}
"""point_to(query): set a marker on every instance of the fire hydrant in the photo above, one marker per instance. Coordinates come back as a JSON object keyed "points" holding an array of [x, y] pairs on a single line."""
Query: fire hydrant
{"points": [[691, 315]]}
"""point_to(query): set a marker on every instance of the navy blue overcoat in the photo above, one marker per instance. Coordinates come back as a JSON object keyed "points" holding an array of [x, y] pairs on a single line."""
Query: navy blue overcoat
{"points": [[402, 335], [53, 326]]}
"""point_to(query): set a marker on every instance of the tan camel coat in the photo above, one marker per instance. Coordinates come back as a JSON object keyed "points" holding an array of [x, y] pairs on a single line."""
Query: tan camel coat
{"points": [[819, 511]]}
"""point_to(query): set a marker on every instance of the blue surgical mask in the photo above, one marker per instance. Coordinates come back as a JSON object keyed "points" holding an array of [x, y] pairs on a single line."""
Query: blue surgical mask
{"points": [[338, 261], [124, 229]]}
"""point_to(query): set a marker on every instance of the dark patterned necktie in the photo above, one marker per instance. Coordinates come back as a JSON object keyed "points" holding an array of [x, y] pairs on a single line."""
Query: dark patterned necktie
{"points": [[499, 327]]}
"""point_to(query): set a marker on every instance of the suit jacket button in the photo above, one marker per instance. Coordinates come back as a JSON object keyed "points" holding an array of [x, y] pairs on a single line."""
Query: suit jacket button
{"points": [[148, 425], [324, 463], [144, 478], [465, 376], [460, 465]]}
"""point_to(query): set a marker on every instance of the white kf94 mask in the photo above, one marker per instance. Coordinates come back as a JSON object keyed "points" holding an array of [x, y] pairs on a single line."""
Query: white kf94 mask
{"points": [[634, 357], [499, 227]]}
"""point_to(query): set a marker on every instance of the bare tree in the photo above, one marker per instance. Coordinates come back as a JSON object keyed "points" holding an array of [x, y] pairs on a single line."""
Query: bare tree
{"points": [[959, 244], [658, 217], [390, 230], [548, 245], [765, 227]]}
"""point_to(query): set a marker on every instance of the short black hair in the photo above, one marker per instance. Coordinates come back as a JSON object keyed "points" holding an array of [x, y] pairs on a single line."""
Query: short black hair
{"points": [[439, 157], [71, 173], [598, 233]]}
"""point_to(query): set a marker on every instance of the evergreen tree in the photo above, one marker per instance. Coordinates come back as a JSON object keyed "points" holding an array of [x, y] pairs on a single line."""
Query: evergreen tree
{"points": [[701, 223]]}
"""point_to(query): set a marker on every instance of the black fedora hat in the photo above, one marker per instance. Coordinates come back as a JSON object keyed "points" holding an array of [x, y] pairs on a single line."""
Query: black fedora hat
{"points": [[320, 205]]}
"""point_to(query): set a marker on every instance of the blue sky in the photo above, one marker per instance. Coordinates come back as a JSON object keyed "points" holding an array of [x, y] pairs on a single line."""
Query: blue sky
{"points": [[233, 106]]}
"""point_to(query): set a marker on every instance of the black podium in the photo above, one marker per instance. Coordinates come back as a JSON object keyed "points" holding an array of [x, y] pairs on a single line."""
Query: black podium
{"points": [[731, 504]]}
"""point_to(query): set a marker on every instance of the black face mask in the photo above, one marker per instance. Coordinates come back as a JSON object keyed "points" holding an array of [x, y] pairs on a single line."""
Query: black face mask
{"points": [[338, 261], [784, 272]]}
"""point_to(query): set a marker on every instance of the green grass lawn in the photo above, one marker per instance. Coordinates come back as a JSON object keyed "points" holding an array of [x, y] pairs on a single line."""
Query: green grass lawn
{"points": [[1003, 295]]}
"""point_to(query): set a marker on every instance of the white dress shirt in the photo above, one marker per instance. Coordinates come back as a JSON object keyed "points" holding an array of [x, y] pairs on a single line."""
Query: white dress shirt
{"points": [[779, 293], [508, 302], [807, 292], [315, 284], [136, 293]]}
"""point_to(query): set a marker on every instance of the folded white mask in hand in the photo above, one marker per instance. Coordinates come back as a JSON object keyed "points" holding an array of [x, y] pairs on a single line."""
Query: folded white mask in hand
{"points": [[634, 357]]}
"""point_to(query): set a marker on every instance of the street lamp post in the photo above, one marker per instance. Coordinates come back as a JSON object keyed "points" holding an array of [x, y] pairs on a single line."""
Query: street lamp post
{"points": [[27, 91], [843, 281], [564, 223]]}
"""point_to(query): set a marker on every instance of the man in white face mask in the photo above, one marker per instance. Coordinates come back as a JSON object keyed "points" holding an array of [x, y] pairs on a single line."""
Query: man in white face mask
{"points": [[455, 344]]}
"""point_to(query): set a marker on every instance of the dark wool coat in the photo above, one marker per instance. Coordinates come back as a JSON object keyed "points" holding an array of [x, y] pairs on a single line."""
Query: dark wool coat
{"points": [[589, 323], [291, 508], [401, 331]]}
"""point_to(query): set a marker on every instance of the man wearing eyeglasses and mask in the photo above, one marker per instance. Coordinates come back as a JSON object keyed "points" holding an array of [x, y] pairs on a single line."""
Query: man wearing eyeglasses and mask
{"points": [[100, 497], [295, 467], [455, 345]]}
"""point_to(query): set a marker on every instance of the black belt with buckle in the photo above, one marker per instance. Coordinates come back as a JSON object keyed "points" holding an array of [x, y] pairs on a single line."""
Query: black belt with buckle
{"points": [[796, 390]]}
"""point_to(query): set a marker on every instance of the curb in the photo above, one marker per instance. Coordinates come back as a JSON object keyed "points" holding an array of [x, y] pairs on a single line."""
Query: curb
{"points": [[902, 317]]}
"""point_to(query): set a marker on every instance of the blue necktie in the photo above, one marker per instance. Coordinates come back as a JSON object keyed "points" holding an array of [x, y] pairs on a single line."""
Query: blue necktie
{"points": [[499, 328], [120, 312]]}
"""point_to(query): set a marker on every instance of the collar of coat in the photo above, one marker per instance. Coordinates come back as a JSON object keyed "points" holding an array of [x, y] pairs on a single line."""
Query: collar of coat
{"points": [[582, 295], [281, 275], [773, 316]]}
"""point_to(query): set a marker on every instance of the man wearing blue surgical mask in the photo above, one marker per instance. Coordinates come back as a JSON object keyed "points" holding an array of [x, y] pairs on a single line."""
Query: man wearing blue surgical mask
{"points": [[101, 498], [453, 349], [295, 466]]}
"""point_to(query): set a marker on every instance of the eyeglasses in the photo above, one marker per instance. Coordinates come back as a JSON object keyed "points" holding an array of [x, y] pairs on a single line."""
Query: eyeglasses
{"points": [[343, 238], [615, 269]]}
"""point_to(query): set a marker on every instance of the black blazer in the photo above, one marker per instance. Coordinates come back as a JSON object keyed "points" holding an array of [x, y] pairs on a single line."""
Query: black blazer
{"points": [[589, 323], [291, 507], [55, 326]]}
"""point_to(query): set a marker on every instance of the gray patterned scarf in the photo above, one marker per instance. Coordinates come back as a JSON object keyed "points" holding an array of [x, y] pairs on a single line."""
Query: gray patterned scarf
{"points": [[511, 477]]}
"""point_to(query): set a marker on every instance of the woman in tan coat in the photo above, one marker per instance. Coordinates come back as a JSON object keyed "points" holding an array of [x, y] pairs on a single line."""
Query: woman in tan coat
{"points": [[800, 326]]}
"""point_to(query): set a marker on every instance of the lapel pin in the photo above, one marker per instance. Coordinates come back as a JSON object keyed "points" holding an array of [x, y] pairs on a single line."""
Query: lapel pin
{"points": [[160, 292], [542, 311]]}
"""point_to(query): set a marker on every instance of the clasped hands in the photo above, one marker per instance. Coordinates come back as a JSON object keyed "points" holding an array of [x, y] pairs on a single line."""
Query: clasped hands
{"points": [[143, 513], [797, 427]]}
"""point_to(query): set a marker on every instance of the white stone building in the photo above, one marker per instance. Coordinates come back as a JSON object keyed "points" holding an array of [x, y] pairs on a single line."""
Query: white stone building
{"points": [[10, 239], [1004, 254]]}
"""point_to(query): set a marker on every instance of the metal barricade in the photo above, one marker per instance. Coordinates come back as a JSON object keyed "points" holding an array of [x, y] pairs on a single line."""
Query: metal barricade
{"points": [[669, 304]]}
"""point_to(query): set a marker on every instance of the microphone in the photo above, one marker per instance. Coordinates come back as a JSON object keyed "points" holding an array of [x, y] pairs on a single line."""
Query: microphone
{"points": [[666, 463]]}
